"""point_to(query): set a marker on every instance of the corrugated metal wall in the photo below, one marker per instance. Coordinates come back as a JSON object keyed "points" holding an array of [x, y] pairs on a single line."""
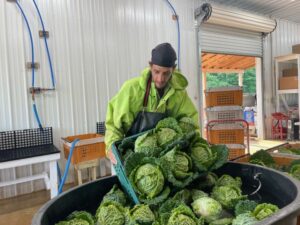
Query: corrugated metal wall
{"points": [[96, 45], [277, 43]]}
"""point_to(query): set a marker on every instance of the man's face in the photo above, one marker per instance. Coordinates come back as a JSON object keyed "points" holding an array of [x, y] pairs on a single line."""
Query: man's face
{"points": [[161, 75]]}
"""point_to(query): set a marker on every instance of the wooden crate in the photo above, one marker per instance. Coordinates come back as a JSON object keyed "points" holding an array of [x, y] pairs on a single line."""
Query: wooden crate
{"points": [[90, 146]]}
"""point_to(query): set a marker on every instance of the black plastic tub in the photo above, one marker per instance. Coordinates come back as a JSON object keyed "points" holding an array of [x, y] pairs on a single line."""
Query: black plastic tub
{"points": [[277, 188]]}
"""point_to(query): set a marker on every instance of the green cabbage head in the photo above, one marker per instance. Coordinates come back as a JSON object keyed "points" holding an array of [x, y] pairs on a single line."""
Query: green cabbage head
{"points": [[142, 214], [183, 215], [228, 196], [165, 136], [264, 210], [111, 213], [146, 143], [202, 156], [244, 219], [227, 180], [149, 180], [208, 208]]}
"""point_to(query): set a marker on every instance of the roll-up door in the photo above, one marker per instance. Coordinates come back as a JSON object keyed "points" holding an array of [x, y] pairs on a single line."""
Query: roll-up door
{"points": [[229, 40]]}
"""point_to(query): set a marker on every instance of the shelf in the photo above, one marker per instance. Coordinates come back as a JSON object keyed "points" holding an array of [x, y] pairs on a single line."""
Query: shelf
{"points": [[286, 58], [288, 91]]}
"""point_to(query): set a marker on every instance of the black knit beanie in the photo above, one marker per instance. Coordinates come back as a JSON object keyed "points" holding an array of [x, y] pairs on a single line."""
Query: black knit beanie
{"points": [[164, 55]]}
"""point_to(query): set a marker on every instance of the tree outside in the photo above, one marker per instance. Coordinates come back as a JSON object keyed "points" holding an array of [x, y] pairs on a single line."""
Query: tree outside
{"points": [[231, 79]]}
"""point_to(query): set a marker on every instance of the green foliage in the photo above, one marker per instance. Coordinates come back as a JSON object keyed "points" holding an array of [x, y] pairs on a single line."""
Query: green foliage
{"points": [[83, 215], [208, 182], [169, 122], [294, 169], [165, 209], [111, 213], [115, 194], [147, 178], [231, 79], [198, 194], [244, 219], [184, 196], [182, 214], [148, 144], [202, 156], [187, 124], [244, 207], [226, 180], [208, 208], [223, 221], [77, 221], [262, 157], [141, 214], [177, 168], [228, 196], [165, 136], [264, 210]]}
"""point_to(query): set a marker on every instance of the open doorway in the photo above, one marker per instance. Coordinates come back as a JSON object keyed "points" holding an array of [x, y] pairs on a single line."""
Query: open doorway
{"points": [[224, 70]]}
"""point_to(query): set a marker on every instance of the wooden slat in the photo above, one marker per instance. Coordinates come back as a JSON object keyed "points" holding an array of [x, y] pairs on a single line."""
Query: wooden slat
{"points": [[217, 62]]}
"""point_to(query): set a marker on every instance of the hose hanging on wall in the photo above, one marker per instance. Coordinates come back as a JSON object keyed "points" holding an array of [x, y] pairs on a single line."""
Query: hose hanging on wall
{"points": [[32, 65], [178, 32], [46, 45]]}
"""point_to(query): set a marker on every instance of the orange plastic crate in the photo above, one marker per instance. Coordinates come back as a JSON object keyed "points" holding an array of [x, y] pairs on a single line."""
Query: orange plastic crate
{"points": [[224, 97], [90, 146], [236, 150], [226, 136]]}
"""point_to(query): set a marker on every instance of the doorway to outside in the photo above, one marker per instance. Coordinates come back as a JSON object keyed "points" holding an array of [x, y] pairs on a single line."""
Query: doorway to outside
{"points": [[224, 70]]}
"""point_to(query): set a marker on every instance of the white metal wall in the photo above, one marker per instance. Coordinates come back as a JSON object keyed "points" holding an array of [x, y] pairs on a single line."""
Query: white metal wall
{"points": [[96, 45], [277, 43]]}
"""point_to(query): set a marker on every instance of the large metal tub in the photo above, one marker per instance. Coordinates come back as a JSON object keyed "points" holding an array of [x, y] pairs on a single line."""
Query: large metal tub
{"points": [[277, 188]]}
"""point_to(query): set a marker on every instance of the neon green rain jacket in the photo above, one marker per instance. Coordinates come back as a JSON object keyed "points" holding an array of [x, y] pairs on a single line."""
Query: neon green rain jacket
{"points": [[123, 108]]}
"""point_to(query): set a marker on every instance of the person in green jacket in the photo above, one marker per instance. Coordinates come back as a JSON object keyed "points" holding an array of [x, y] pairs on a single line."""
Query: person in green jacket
{"points": [[157, 93]]}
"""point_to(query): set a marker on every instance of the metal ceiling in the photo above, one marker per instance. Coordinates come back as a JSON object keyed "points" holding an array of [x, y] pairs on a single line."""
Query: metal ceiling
{"points": [[280, 9]]}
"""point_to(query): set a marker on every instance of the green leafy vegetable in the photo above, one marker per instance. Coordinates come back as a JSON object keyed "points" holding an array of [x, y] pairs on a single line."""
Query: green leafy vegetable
{"points": [[244, 206], [264, 210], [227, 180], [244, 219], [111, 213], [115, 194], [142, 214], [228, 196], [223, 221], [83, 215], [208, 208]]}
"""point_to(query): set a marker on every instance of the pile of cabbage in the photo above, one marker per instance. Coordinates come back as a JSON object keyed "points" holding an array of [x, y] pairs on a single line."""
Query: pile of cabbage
{"points": [[213, 201], [171, 170]]}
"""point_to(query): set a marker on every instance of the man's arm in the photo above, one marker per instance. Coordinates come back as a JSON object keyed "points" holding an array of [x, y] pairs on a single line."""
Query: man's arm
{"points": [[118, 117]]}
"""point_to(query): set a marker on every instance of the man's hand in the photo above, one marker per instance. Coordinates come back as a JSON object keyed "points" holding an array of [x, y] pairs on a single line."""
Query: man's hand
{"points": [[112, 157]]}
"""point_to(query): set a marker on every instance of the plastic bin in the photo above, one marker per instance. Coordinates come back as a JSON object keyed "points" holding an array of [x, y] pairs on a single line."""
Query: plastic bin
{"points": [[90, 146], [236, 150], [120, 171], [224, 113], [88, 196], [224, 96], [226, 134]]}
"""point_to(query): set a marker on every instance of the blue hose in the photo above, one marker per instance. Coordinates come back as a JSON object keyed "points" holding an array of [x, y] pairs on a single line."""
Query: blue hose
{"points": [[67, 166], [46, 44], [31, 41], [178, 32], [36, 115], [32, 61]]}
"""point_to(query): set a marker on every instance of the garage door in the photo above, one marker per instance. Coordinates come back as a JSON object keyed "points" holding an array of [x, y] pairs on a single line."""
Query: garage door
{"points": [[228, 40]]}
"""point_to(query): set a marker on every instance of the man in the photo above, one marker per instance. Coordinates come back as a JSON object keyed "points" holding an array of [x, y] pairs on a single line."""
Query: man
{"points": [[157, 93]]}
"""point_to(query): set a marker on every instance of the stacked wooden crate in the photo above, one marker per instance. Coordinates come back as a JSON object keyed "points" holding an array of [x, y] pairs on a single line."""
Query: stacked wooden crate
{"points": [[225, 119]]}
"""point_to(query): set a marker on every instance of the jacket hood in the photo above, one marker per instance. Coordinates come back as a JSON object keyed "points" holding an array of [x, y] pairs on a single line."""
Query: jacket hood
{"points": [[178, 81]]}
